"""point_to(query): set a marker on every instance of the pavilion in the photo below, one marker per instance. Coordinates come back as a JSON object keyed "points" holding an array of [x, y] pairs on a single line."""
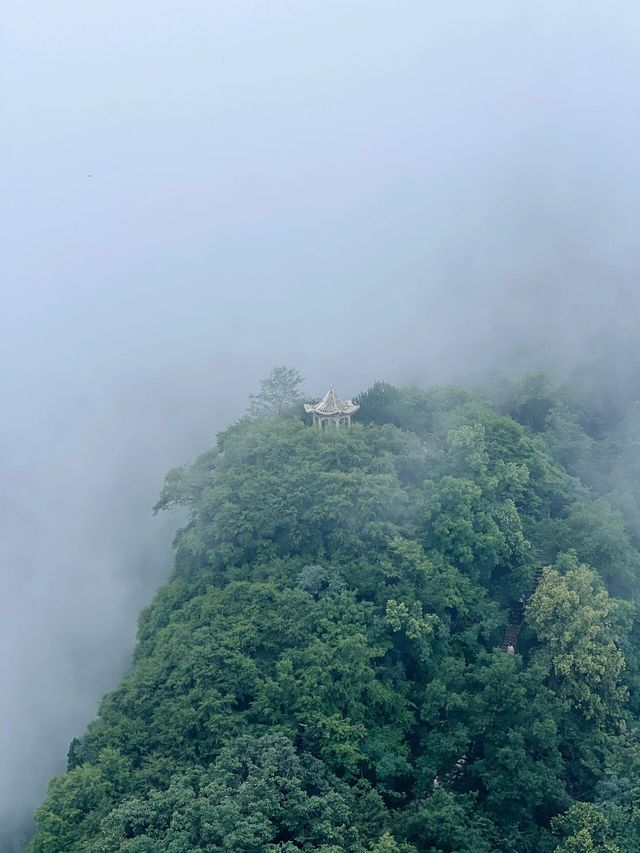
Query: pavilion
{"points": [[331, 410]]}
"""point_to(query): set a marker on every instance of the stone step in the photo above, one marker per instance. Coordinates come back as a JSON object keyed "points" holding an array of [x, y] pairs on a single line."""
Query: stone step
{"points": [[510, 637]]}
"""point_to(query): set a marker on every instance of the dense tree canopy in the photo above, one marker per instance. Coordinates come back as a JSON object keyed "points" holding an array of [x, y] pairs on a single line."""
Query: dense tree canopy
{"points": [[323, 670]]}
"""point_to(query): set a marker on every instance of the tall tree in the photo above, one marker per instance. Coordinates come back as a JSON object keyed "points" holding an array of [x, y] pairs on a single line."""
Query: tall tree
{"points": [[279, 391], [575, 618]]}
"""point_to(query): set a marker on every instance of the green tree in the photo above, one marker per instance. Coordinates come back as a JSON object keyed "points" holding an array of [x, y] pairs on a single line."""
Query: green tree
{"points": [[584, 830], [278, 392], [258, 796], [448, 823], [574, 618]]}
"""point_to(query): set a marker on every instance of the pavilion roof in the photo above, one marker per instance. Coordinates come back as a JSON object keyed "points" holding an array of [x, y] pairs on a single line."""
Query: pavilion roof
{"points": [[331, 404]]}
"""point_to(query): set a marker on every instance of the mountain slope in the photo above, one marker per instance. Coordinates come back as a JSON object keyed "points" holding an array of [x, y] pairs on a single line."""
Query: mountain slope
{"points": [[324, 669]]}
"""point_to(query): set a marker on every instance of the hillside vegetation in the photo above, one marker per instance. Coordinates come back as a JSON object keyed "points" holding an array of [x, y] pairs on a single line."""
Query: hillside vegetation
{"points": [[323, 671]]}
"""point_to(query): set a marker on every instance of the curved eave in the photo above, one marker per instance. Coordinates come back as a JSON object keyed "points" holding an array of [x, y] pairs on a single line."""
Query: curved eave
{"points": [[335, 413]]}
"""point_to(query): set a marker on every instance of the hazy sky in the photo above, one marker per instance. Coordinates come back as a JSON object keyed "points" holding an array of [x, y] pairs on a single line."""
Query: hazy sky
{"points": [[194, 191]]}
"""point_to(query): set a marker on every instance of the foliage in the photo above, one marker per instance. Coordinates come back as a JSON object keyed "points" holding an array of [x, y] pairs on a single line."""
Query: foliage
{"points": [[573, 617], [584, 829], [323, 669], [278, 391]]}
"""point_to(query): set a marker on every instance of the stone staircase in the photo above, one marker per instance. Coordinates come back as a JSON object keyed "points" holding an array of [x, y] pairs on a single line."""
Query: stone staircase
{"points": [[510, 638], [515, 622], [509, 645]]}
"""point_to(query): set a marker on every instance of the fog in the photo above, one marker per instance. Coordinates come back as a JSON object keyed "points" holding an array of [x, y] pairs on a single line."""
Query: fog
{"points": [[195, 191]]}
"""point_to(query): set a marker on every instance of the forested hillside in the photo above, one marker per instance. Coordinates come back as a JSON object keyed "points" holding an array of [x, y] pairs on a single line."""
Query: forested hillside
{"points": [[417, 634]]}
